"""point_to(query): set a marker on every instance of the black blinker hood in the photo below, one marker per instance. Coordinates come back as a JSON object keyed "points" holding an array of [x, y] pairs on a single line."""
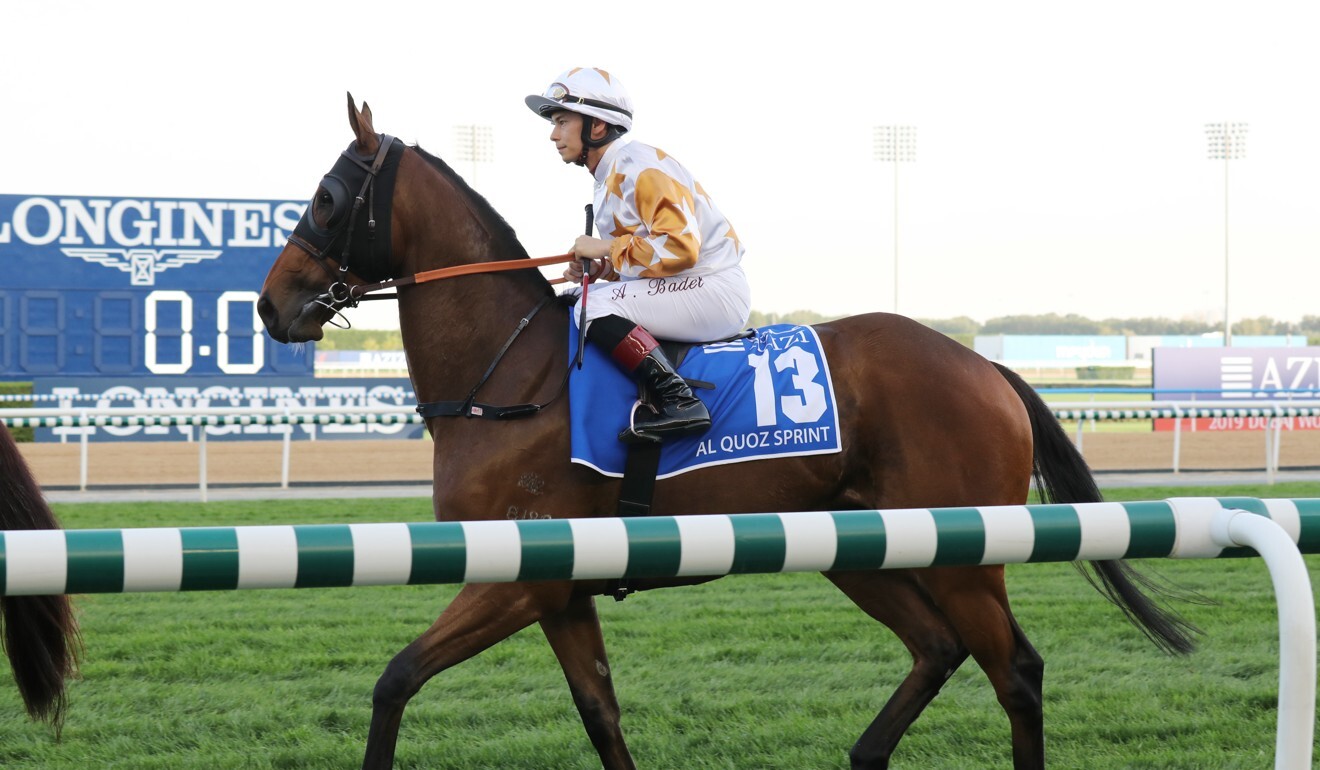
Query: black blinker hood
{"points": [[368, 256]]}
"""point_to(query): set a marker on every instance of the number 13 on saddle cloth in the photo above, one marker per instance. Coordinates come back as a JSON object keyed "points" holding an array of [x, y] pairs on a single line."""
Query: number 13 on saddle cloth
{"points": [[773, 397]]}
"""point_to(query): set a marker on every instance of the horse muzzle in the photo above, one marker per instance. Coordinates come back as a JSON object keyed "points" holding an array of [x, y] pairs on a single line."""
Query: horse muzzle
{"points": [[304, 326]]}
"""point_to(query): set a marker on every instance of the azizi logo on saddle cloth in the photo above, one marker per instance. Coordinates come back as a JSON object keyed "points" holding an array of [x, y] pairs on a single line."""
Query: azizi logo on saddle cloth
{"points": [[773, 397]]}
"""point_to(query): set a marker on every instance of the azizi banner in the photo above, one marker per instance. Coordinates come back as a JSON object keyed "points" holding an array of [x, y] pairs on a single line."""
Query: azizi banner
{"points": [[1234, 374]]}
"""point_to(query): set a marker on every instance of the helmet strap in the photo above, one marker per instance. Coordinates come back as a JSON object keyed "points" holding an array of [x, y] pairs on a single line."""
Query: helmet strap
{"points": [[587, 143], [612, 132]]}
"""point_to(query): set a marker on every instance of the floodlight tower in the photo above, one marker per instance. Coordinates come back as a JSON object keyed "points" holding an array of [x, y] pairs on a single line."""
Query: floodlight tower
{"points": [[474, 144], [896, 144], [1227, 141]]}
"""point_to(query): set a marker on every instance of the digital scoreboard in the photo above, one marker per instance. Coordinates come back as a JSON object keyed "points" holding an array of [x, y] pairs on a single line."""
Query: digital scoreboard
{"points": [[133, 287]]}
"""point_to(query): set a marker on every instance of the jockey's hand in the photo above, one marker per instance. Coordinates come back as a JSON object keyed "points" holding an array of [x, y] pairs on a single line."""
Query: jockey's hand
{"points": [[586, 247], [601, 270], [595, 250]]}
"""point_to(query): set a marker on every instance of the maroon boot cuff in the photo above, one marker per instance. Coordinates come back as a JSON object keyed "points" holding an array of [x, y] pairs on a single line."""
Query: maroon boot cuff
{"points": [[630, 351]]}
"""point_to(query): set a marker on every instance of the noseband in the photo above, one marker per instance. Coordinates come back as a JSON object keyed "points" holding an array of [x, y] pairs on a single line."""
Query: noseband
{"points": [[317, 239]]}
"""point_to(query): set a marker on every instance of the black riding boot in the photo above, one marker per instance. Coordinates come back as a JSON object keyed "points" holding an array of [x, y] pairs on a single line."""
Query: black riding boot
{"points": [[676, 410]]}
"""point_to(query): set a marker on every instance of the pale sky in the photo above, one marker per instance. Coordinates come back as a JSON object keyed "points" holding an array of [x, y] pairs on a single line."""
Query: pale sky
{"points": [[1061, 154]]}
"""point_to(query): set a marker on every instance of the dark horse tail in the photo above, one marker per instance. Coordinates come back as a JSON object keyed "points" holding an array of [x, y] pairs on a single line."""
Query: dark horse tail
{"points": [[40, 633], [1062, 476]]}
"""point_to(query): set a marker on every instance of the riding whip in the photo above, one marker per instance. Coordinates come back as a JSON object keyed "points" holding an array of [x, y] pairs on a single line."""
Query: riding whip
{"points": [[582, 311]]}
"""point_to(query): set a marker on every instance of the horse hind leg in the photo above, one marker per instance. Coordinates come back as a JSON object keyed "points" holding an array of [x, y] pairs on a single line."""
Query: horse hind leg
{"points": [[898, 601], [976, 603], [575, 637]]}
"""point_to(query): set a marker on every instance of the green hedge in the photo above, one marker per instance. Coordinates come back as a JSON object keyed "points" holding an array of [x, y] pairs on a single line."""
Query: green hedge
{"points": [[1106, 372], [17, 388]]}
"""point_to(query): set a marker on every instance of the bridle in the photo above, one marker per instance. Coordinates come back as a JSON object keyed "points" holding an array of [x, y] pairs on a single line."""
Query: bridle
{"points": [[317, 239]]}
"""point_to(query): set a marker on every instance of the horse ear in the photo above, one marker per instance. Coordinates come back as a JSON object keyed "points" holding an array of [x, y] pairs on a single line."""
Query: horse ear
{"points": [[360, 122]]}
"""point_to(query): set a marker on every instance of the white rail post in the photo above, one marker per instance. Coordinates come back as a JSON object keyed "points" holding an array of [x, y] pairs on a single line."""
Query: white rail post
{"points": [[288, 441], [82, 457], [1177, 436], [1269, 469], [201, 460], [1296, 608], [1278, 434]]}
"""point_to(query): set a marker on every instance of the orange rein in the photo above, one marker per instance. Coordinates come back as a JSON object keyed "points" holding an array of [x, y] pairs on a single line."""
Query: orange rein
{"points": [[489, 267], [358, 292]]}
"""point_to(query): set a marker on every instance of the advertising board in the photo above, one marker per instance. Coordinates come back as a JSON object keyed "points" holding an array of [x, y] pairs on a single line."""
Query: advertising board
{"points": [[96, 286], [164, 394], [1235, 374]]}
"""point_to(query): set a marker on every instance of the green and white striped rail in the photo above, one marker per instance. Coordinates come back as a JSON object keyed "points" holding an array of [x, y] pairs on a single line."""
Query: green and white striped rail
{"points": [[35, 562], [212, 417], [1127, 410], [308, 556], [1149, 413], [73, 398]]}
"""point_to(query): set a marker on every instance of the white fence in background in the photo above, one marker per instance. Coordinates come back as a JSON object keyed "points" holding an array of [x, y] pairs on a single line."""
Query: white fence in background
{"points": [[222, 419], [206, 421], [1272, 413]]}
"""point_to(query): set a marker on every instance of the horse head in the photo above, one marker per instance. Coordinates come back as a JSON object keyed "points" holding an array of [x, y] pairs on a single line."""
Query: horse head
{"points": [[343, 241]]}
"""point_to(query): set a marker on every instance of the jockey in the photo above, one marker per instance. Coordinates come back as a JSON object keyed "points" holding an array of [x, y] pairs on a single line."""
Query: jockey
{"points": [[672, 255]]}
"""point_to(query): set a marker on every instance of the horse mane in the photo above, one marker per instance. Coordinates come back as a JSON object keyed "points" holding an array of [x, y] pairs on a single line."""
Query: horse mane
{"points": [[495, 224], [498, 225]]}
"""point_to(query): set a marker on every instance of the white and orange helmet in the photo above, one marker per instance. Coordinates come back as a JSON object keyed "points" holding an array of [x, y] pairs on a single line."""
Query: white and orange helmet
{"points": [[593, 93]]}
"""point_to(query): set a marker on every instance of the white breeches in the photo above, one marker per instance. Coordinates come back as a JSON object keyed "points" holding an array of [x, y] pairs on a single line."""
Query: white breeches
{"points": [[683, 308]]}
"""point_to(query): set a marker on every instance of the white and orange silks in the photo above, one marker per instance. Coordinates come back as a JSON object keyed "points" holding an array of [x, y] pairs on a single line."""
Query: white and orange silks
{"points": [[676, 255]]}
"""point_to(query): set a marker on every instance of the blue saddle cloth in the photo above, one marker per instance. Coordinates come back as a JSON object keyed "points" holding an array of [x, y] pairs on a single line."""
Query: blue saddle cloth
{"points": [[773, 397]]}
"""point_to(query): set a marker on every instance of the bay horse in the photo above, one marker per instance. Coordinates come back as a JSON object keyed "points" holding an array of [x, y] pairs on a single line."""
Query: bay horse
{"points": [[40, 632], [925, 422]]}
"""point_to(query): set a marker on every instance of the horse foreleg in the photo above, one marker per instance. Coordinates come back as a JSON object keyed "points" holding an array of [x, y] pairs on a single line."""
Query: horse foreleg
{"points": [[899, 602], [575, 637], [479, 616], [975, 601]]}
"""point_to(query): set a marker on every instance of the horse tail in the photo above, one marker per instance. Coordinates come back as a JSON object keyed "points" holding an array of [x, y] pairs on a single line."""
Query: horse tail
{"points": [[1062, 476], [40, 632]]}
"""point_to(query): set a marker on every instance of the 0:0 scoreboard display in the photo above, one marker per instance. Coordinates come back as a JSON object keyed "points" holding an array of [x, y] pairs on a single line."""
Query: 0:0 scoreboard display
{"points": [[139, 286]]}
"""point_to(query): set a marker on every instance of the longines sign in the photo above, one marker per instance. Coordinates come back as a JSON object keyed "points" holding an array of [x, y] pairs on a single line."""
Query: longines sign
{"points": [[97, 286], [124, 223]]}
